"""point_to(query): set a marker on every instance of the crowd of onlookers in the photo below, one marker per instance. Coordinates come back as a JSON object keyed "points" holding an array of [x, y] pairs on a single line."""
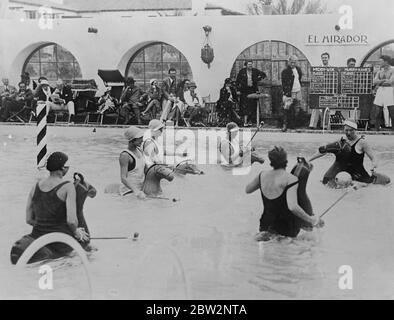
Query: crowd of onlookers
{"points": [[14, 101], [179, 101]]}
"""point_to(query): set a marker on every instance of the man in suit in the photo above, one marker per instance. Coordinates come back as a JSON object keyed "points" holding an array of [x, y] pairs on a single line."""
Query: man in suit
{"points": [[169, 88], [247, 83], [291, 86], [23, 97], [130, 101], [7, 92]]}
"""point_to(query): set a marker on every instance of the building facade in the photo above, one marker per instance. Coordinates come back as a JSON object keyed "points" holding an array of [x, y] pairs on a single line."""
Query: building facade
{"points": [[146, 47]]}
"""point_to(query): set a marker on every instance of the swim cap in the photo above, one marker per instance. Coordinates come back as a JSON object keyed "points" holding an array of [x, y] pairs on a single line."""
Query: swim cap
{"points": [[56, 161], [133, 133], [232, 126], [155, 125], [278, 157], [350, 124]]}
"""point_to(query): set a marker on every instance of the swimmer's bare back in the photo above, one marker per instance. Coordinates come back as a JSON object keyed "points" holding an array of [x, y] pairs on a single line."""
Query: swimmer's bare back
{"points": [[273, 183]]}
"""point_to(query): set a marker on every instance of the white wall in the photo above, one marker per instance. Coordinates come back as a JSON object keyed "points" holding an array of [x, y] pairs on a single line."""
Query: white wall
{"points": [[118, 39]]}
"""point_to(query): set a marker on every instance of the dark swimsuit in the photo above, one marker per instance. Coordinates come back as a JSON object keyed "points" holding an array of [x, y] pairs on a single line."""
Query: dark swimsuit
{"points": [[350, 162], [356, 166], [277, 218], [50, 214]]}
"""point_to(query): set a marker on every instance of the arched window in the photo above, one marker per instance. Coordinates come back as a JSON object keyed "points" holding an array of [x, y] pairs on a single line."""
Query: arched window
{"points": [[373, 58], [153, 62], [53, 62], [271, 58]]}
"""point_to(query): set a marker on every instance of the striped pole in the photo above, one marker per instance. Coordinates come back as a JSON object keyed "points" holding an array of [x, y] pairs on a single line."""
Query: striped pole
{"points": [[41, 133]]}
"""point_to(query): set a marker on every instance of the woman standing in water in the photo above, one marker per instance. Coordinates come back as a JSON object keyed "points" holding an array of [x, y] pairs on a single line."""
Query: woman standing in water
{"points": [[279, 193]]}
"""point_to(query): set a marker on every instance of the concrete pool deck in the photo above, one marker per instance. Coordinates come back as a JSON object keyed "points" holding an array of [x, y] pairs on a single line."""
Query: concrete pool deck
{"points": [[272, 129]]}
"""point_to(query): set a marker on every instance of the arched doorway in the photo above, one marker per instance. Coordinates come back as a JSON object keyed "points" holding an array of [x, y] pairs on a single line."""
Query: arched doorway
{"points": [[54, 62], [153, 61], [271, 57], [372, 58]]}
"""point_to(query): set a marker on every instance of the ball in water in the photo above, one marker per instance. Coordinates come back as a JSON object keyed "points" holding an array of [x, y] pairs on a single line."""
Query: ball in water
{"points": [[343, 179]]}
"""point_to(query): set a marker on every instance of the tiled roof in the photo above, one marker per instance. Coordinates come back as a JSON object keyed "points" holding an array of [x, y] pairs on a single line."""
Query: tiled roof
{"points": [[109, 5]]}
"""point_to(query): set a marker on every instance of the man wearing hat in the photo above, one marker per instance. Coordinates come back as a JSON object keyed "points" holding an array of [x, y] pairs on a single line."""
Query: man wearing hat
{"points": [[51, 207], [132, 163], [194, 104], [349, 152], [130, 101]]}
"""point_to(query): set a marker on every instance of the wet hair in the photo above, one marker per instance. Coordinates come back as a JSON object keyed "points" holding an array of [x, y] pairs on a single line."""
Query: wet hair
{"points": [[351, 60], [386, 58], [56, 161], [278, 158], [325, 54]]}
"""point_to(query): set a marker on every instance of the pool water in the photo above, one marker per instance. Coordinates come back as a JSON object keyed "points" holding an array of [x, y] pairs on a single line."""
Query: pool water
{"points": [[202, 246]]}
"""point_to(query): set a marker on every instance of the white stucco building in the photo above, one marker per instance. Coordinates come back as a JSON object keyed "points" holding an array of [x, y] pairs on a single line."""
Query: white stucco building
{"points": [[120, 43]]}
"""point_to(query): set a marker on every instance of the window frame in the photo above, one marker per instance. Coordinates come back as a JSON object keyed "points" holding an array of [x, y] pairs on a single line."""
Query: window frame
{"points": [[74, 62]]}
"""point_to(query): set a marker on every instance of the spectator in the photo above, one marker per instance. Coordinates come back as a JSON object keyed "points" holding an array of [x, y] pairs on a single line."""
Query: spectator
{"points": [[384, 80], [16, 103], [226, 105], [62, 96], [6, 92], [152, 97], [291, 86], [317, 113], [182, 88], [107, 103], [325, 59], [351, 63], [52, 97], [194, 105], [130, 101], [169, 88], [25, 77], [247, 83]]}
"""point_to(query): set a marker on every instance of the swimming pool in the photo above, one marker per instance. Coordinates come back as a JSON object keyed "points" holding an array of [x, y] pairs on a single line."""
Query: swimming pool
{"points": [[201, 247]]}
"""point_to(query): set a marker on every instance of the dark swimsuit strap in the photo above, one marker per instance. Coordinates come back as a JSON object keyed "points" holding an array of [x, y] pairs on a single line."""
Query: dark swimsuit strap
{"points": [[54, 189], [287, 187]]}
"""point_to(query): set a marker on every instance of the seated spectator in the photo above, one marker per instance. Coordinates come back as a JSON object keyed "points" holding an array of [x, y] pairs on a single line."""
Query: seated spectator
{"points": [[130, 101], [16, 103], [182, 88], [226, 105], [62, 98], [152, 97], [195, 106], [25, 77], [6, 92], [107, 103], [177, 108]]}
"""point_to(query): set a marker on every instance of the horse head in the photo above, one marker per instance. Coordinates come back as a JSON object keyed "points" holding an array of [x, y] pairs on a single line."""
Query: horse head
{"points": [[187, 167]]}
